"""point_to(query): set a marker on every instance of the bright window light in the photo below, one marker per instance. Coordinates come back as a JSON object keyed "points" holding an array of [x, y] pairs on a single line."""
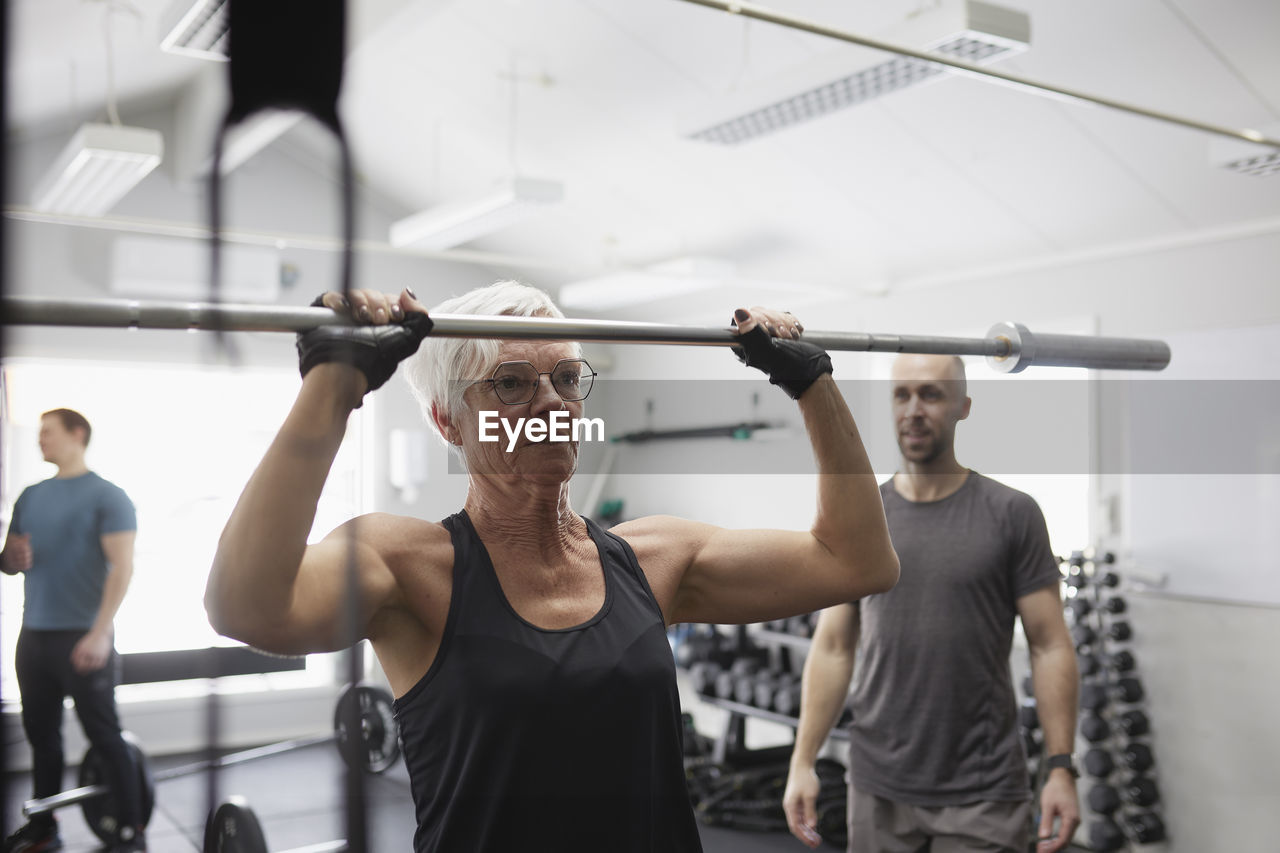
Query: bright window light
{"points": [[182, 442]]}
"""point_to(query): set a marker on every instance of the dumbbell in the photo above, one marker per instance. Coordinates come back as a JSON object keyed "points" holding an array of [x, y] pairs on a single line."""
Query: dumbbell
{"points": [[749, 689], [1122, 661], [744, 688], [1146, 828], [744, 665], [1028, 718], [1138, 790], [1138, 757], [1103, 799], [696, 647], [1115, 605], [1083, 635], [1105, 835], [1076, 579], [724, 683], [1079, 608], [1028, 685], [1087, 664], [1094, 728], [1076, 560], [702, 677], [1108, 579], [786, 700], [766, 685], [1094, 697], [1129, 689], [1120, 631], [1134, 723], [1098, 763]]}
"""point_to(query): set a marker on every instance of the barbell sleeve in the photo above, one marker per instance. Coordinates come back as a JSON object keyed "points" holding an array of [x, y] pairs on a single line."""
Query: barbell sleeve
{"points": [[1009, 347]]}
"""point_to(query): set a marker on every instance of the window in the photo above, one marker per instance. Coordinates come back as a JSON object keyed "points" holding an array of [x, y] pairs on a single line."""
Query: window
{"points": [[182, 442]]}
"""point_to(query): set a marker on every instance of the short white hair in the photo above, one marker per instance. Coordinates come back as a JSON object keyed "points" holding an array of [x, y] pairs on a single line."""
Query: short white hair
{"points": [[442, 368]]}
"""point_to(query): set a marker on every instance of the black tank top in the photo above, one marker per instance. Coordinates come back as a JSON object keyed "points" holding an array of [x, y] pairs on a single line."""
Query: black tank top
{"points": [[522, 739]]}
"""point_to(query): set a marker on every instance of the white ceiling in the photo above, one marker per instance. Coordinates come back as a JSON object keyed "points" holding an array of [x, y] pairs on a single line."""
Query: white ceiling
{"points": [[957, 175]]}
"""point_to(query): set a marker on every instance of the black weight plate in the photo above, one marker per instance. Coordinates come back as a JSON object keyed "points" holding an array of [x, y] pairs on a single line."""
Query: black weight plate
{"points": [[233, 828], [379, 746], [100, 812]]}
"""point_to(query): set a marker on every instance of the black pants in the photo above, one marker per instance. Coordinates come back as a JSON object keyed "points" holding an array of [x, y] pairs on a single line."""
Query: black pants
{"points": [[45, 676]]}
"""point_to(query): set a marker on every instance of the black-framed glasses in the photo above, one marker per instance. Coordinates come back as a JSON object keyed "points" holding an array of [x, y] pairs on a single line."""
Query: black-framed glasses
{"points": [[516, 382]]}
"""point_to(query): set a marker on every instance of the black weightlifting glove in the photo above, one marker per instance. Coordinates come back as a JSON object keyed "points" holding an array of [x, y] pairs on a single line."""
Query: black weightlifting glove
{"points": [[373, 350], [790, 364]]}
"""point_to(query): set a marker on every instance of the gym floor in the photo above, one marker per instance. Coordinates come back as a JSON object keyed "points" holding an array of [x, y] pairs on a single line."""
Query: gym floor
{"points": [[297, 798]]}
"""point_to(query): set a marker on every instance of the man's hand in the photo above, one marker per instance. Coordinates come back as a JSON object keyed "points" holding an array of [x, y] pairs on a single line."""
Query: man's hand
{"points": [[1057, 800], [17, 553], [800, 802], [91, 652]]}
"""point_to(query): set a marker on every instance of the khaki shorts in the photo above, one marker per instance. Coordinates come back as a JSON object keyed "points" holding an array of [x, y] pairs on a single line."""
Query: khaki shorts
{"points": [[877, 825]]}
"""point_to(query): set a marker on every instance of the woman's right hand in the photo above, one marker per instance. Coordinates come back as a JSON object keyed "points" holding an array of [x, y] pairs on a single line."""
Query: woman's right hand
{"points": [[389, 330]]}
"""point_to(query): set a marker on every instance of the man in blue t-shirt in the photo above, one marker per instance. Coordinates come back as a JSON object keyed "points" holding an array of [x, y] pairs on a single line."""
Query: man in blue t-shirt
{"points": [[72, 537]]}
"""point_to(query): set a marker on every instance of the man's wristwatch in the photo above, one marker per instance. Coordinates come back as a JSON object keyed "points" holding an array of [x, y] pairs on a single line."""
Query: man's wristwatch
{"points": [[1065, 760]]}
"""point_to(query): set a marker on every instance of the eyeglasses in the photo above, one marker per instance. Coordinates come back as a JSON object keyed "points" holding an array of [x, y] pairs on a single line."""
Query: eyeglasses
{"points": [[516, 382]]}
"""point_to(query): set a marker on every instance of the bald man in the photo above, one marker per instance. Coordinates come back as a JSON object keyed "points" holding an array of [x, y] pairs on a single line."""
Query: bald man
{"points": [[935, 761]]}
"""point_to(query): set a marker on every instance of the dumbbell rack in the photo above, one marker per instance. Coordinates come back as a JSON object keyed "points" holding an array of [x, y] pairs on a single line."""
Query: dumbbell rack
{"points": [[773, 649], [1120, 798]]}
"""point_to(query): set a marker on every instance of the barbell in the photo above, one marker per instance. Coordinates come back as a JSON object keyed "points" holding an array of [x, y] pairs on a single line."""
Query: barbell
{"points": [[378, 749], [1008, 347]]}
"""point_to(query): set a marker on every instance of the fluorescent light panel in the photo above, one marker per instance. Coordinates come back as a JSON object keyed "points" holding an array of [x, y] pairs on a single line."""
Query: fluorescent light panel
{"points": [[196, 28], [451, 224], [100, 164], [979, 33]]}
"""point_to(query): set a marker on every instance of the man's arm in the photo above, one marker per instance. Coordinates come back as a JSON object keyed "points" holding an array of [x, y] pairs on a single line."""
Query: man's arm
{"points": [[93, 649], [827, 672], [1056, 681]]}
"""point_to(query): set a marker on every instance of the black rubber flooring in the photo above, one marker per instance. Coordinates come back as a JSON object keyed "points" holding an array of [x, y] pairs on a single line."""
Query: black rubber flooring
{"points": [[297, 797]]}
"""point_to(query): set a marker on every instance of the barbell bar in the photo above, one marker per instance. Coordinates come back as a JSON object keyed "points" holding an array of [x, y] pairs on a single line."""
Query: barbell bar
{"points": [[1008, 347]]}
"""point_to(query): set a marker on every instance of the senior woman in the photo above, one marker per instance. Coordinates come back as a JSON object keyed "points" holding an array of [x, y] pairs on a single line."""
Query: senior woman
{"points": [[536, 692]]}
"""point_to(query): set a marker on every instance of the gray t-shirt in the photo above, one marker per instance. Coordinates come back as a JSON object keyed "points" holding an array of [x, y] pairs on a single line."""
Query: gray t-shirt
{"points": [[934, 713]]}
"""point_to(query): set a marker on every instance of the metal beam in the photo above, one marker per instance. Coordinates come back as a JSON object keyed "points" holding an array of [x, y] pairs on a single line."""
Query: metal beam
{"points": [[760, 13]]}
